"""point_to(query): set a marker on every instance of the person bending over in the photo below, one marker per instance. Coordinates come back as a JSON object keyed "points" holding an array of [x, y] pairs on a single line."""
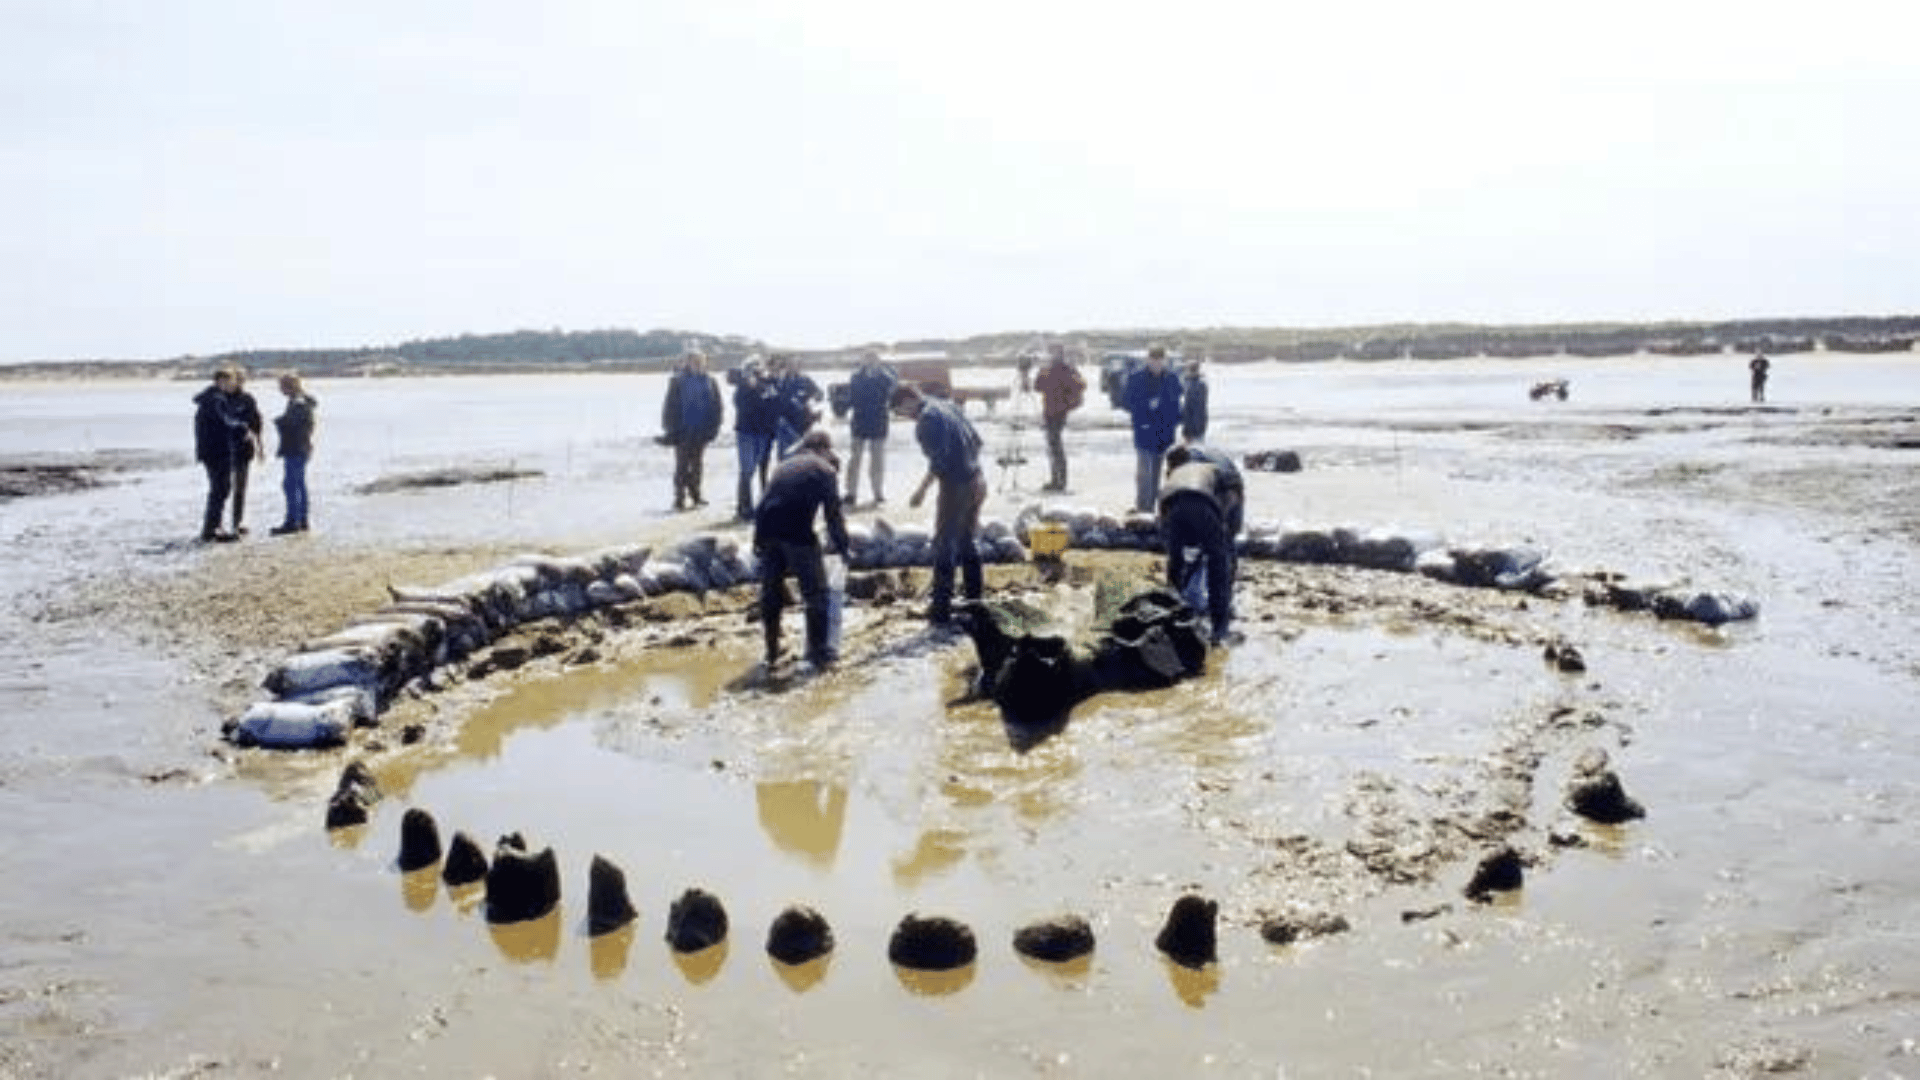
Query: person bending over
{"points": [[1202, 506], [805, 483]]}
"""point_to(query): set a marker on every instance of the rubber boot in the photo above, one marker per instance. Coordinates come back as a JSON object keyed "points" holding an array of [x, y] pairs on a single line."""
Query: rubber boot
{"points": [[819, 653], [771, 629]]}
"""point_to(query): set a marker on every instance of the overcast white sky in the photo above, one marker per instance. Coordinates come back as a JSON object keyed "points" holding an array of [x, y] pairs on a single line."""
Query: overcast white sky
{"points": [[196, 176]]}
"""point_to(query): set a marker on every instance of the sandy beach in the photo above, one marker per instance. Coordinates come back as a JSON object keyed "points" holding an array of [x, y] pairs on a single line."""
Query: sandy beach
{"points": [[178, 910]]}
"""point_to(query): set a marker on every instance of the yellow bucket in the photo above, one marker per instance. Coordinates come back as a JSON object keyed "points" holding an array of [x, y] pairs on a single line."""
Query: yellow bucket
{"points": [[1048, 539]]}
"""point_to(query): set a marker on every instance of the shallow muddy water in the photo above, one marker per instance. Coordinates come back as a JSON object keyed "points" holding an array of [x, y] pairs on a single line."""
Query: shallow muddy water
{"points": [[177, 913]]}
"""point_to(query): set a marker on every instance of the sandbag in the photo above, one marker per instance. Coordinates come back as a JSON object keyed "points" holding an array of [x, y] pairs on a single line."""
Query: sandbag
{"points": [[288, 725]]}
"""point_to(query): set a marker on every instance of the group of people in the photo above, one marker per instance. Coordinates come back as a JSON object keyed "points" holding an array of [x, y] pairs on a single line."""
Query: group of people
{"points": [[1200, 504], [805, 485], [228, 439]]}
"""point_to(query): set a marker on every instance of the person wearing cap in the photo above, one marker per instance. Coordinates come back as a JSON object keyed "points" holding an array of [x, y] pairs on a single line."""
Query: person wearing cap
{"points": [[805, 483], [1152, 398], [755, 416], [1062, 389], [1202, 507], [952, 449], [691, 417], [1193, 403], [871, 391]]}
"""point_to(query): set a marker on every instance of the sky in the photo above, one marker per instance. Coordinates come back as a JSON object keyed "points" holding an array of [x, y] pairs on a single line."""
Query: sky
{"points": [[201, 176]]}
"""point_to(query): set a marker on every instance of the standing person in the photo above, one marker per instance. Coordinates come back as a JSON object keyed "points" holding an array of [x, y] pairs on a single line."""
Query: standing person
{"points": [[952, 448], [797, 392], [248, 410], [219, 440], [1153, 399], [1193, 403], [871, 391], [295, 429], [1062, 389], [1202, 507], [691, 417], [1759, 366], [755, 416], [806, 482]]}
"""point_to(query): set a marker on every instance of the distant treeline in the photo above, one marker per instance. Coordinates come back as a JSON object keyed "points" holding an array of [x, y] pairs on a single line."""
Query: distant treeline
{"points": [[653, 350]]}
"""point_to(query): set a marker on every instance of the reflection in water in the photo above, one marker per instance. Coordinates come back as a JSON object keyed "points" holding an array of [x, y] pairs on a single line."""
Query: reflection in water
{"points": [[935, 983], [347, 837], [700, 967], [801, 978], [465, 898], [607, 953], [1061, 974], [526, 942], [419, 887], [938, 850], [803, 817], [1194, 986]]}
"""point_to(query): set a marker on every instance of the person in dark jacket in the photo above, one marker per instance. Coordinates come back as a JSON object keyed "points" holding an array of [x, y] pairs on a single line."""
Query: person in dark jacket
{"points": [[1062, 390], [755, 418], [797, 393], [248, 410], [1202, 507], [952, 448], [219, 440], [1153, 400], [1193, 403], [871, 392], [295, 428], [691, 417], [805, 483]]}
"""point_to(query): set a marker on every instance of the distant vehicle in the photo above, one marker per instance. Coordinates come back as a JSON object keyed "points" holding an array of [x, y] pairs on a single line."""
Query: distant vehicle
{"points": [[1555, 388], [934, 378]]}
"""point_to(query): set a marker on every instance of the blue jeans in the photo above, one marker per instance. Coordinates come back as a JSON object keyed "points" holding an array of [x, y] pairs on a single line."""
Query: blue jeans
{"points": [[293, 484], [752, 448], [1146, 479]]}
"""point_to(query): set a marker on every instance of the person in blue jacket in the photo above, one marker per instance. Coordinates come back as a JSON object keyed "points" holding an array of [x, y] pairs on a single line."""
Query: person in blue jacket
{"points": [[871, 391], [952, 448], [1153, 400], [691, 417]]}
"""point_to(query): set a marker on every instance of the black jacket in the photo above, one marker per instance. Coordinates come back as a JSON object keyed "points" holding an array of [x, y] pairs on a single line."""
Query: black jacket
{"points": [[219, 432], [801, 484]]}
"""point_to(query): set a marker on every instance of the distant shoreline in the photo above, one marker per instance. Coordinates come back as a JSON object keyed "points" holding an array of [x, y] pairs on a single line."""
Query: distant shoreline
{"points": [[598, 352]]}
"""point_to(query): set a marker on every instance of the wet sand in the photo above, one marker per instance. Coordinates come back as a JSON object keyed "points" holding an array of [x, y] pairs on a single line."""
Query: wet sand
{"points": [[178, 909]]}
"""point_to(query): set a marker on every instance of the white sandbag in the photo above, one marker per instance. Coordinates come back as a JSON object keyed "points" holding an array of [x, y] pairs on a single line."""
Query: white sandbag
{"points": [[287, 725], [357, 704], [307, 672]]}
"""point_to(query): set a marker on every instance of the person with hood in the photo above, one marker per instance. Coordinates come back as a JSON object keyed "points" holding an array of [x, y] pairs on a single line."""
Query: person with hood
{"points": [[1152, 398], [805, 483], [219, 440], [248, 410], [1193, 403], [952, 448], [871, 394], [295, 428], [755, 418], [691, 417], [796, 392], [1062, 389], [1202, 507]]}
